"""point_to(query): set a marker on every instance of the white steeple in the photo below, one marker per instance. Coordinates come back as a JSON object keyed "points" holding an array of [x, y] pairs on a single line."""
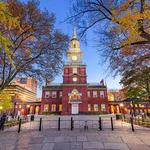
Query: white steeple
{"points": [[74, 53]]}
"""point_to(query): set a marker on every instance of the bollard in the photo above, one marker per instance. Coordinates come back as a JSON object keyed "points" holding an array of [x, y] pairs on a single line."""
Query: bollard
{"points": [[40, 127], [71, 123], [19, 127], [112, 127], [100, 123], [132, 124], [59, 124]]}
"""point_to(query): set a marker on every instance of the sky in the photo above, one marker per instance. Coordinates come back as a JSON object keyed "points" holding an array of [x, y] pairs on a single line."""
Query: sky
{"points": [[96, 69]]}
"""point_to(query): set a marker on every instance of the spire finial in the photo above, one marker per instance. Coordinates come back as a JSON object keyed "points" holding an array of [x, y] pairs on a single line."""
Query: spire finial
{"points": [[74, 33]]}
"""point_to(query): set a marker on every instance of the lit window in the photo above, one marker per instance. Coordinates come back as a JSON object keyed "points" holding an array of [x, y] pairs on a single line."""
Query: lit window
{"points": [[47, 94], [54, 94], [94, 93], [20, 106], [103, 107], [46, 107], [136, 105], [60, 107], [102, 94], [95, 107], [74, 70], [60, 94], [53, 107], [88, 93], [89, 107]]}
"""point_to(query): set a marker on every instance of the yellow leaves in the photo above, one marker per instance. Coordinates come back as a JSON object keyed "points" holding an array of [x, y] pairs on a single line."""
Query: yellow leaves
{"points": [[5, 101], [130, 20], [7, 22]]}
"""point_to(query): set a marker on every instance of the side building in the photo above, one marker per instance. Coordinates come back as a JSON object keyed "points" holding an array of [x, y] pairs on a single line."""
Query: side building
{"points": [[22, 92]]}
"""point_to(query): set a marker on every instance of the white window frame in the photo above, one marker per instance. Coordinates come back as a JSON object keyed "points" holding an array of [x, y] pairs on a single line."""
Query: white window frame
{"points": [[52, 107], [47, 94], [74, 70], [54, 95], [96, 107], [46, 107], [89, 107], [60, 94], [102, 94], [103, 107], [89, 94], [95, 94]]}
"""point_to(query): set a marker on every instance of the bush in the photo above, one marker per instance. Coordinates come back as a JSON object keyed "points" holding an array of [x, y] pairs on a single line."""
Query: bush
{"points": [[118, 116]]}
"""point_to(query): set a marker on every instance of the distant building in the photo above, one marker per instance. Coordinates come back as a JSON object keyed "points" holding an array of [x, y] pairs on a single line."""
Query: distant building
{"points": [[115, 97], [75, 95], [22, 90]]}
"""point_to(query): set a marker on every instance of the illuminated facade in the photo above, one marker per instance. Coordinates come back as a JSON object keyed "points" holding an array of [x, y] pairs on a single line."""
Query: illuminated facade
{"points": [[22, 91], [75, 95]]}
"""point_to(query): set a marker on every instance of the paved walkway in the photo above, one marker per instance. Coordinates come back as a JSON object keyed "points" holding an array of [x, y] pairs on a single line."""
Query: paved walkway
{"points": [[75, 140]]}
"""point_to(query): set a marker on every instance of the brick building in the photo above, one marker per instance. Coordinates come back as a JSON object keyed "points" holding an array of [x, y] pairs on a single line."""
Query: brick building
{"points": [[75, 95]]}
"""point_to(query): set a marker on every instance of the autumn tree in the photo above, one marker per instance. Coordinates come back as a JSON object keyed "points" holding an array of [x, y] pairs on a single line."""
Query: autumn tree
{"points": [[7, 21], [5, 101], [121, 28], [37, 49]]}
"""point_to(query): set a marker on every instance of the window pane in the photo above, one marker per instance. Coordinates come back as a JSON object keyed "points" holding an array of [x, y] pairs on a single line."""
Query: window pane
{"points": [[46, 106], [54, 94], [88, 93], [89, 107], [94, 93], [103, 107], [102, 94], [60, 107], [47, 94], [53, 107], [95, 107]]}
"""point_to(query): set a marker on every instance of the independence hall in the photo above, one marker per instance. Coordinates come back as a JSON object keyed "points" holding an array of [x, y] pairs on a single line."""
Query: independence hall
{"points": [[74, 95]]}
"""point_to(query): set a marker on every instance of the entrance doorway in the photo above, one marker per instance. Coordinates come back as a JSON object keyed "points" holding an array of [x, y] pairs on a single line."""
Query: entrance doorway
{"points": [[74, 109]]}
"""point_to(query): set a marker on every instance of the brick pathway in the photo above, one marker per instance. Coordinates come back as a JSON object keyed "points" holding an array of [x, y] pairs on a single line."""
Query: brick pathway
{"points": [[75, 140]]}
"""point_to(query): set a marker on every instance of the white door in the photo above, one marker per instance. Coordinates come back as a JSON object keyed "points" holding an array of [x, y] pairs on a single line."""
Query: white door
{"points": [[75, 109]]}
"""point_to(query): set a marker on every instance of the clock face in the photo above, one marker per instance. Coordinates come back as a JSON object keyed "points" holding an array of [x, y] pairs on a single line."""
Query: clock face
{"points": [[74, 58], [74, 79]]}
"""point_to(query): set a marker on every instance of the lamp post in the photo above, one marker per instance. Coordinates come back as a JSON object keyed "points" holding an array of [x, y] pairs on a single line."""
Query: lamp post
{"points": [[14, 109], [121, 107]]}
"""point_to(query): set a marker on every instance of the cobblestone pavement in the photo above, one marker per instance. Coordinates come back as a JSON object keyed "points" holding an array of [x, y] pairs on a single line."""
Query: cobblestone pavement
{"points": [[75, 140]]}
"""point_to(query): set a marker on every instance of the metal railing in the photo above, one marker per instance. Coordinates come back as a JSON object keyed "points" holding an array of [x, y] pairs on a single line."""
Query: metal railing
{"points": [[73, 123]]}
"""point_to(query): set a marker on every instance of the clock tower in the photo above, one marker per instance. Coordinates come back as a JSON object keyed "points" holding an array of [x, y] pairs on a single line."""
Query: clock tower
{"points": [[74, 98]]}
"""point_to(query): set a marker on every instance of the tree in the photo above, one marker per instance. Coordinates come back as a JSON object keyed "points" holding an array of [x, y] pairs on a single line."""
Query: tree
{"points": [[122, 27], [5, 101], [130, 18], [137, 82], [37, 48], [123, 35], [8, 21]]}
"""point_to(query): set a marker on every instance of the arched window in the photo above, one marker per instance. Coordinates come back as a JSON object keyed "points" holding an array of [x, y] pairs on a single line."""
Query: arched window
{"points": [[74, 45]]}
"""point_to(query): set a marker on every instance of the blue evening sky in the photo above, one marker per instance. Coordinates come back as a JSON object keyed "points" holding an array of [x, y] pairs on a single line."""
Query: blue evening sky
{"points": [[96, 70]]}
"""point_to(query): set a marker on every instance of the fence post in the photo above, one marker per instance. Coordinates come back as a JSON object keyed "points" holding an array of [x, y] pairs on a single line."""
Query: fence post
{"points": [[59, 124], [71, 123], [132, 124], [19, 127], [100, 123], [112, 127], [40, 127]]}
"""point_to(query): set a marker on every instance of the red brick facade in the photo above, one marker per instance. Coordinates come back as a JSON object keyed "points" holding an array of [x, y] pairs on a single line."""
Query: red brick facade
{"points": [[75, 95]]}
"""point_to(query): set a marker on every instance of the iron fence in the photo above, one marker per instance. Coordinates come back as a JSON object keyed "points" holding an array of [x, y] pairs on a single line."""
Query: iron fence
{"points": [[73, 123]]}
